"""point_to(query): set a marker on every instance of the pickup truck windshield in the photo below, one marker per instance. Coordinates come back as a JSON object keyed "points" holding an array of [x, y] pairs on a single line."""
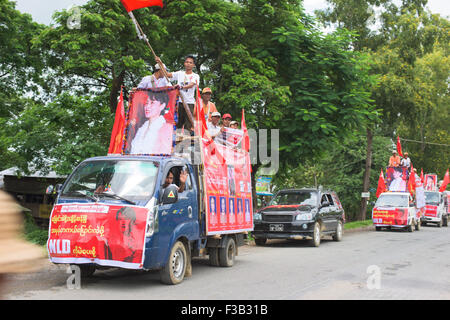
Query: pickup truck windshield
{"points": [[432, 198], [392, 200], [126, 180], [295, 198]]}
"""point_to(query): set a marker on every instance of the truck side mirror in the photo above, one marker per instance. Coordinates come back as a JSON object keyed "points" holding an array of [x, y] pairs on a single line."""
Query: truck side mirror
{"points": [[170, 195]]}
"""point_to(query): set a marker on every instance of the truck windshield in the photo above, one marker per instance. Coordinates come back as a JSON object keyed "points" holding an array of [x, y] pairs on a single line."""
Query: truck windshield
{"points": [[127, 180], [392, 200], [295, 198], [432, 198]]}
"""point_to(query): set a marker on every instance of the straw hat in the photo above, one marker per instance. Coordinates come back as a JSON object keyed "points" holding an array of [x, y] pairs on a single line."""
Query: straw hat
{"points": [[16, 254]]}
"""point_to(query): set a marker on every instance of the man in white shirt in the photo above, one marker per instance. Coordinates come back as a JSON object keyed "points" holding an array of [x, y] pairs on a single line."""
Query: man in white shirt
{"points": [[406, 161], [156, 80], [188, 81], [213, 127]]}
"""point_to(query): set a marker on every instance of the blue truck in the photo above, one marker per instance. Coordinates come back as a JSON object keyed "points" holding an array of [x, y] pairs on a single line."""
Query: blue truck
{"points": [[176, 227]]}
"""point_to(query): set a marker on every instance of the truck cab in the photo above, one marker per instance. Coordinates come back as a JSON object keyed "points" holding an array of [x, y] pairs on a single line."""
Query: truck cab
{"points": [[163, 228], [396, 210], [435, 209]]}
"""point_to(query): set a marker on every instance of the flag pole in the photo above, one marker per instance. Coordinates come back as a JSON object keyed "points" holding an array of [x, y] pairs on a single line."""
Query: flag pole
{"points": [[142, 36]]}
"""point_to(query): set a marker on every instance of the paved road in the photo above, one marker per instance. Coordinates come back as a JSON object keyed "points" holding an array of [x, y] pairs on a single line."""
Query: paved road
{"points": [[410, 266]]}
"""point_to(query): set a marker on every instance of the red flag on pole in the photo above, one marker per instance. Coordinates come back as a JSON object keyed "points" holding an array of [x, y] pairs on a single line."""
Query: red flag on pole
{"points": [[399, 147], [421, 175], [246, 139], [131, 5], [381, 184], [115, 143], [412, 181], [445, 182]]}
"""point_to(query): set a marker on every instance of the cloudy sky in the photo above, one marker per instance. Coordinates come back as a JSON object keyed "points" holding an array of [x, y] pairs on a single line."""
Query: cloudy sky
{"points": [[42, 10]]}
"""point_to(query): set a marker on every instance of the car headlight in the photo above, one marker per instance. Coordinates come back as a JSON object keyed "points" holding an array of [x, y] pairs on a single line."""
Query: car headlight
{"points": [[257, 216], [304, 216]]}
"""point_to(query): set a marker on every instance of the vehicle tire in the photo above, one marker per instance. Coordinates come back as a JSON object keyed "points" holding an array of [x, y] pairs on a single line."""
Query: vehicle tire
{"points": [[214, 257], [439, 224], [317, 234], [175, 268], [377, 228], [227, 254], [86, 270], [418, 225], [260, 241], [424, 223], [445, 223], [339, 232]]}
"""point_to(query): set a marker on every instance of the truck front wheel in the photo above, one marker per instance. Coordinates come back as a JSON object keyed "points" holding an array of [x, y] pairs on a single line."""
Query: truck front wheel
{"points": [[175, 268], [227, 253]]}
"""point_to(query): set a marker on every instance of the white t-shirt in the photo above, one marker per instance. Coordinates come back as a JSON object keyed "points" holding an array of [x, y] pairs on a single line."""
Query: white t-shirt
{"points": [[147, 83], [184, 79], [212, 129]]}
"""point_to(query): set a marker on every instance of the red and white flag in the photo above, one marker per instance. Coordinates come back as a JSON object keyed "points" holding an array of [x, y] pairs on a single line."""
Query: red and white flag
{"points": [[131, 5]]}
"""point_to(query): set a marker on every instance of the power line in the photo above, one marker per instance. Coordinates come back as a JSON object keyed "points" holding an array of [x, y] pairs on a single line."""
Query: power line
{"points": [[423, 142]]}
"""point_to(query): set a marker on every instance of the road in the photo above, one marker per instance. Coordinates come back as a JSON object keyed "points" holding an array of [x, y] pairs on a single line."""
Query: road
{"points": [[364, 265]]}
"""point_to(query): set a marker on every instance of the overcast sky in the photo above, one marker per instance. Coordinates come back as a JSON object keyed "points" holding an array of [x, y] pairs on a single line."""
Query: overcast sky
{"points": [[42, 10]]}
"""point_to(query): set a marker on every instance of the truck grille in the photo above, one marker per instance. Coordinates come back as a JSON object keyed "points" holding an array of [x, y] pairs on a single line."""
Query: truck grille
{"points": [[277, 218]]}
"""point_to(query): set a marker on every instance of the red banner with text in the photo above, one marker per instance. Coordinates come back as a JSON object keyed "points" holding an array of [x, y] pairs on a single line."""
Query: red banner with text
{"points": [[94, 233], [228, 189], [396, 217]]}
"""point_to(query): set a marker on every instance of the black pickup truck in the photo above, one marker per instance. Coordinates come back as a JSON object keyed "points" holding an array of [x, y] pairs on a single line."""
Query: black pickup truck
{"points": [[300, 214]]}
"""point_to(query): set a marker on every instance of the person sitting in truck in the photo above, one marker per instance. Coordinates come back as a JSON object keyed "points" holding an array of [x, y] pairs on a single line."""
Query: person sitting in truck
{"points": [[394, 160], [170, 179]]}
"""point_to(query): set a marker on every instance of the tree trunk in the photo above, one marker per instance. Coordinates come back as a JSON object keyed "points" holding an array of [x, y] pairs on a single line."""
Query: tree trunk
{"points": [[115, 91], [366, 179]]}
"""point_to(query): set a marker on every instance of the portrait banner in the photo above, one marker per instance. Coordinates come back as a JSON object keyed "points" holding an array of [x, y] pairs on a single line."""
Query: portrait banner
{"points": [[397, 179], [228, 189], [430, 182], [111, 236], [431, 211], [150, 125]]}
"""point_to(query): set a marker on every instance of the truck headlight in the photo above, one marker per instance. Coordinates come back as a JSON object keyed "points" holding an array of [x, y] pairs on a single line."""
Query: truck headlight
{"points": [[257, 216]]}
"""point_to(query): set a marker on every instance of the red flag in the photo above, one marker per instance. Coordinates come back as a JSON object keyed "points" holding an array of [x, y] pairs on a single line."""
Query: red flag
{"points": [[246, 139], [381, 184], [445, 182], [421, 175], [412, 181], [399, 147], [115, 143], [200, 127], [131, 5]]}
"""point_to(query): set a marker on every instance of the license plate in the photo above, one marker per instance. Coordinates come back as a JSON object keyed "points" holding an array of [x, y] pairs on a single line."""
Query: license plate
{"points": [[276, 227]]}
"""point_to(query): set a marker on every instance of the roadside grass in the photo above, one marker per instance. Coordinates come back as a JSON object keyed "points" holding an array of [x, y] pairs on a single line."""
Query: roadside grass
{"points": [[33, 233], [358, 224]]}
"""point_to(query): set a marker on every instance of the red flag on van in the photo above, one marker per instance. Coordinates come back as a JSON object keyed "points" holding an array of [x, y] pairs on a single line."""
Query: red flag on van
{"points": [[445, 182], [131, 5], [381, 184], [115, 143]]}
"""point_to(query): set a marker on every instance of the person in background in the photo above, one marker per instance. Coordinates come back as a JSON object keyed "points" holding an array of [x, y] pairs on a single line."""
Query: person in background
{"points": [[406, 161], [208, 106], [394, 160], [234, 125], [226, 120], [214, 129], [156, 80]]}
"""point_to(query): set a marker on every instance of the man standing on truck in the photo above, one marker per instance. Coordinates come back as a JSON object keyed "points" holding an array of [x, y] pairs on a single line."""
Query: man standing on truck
{"points": [[406, 162], [188, 80], [394, 160], [157, 80]]}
